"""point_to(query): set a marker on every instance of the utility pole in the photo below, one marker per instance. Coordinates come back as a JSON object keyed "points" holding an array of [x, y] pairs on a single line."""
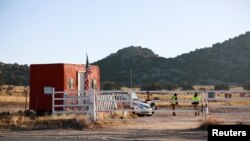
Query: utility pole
{"points": [[131, 78]]}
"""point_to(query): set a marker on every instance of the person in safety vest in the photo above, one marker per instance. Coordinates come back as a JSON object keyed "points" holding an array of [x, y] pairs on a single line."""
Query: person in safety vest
{"points": [[195, 103], [174, 103]]}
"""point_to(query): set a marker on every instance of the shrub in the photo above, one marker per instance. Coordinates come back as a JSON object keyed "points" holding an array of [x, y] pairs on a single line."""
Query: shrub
{"points": [[110, 86], [30, 113], [151, 86], [170, 86], [246, 86], [187, 87], [221, 87]]}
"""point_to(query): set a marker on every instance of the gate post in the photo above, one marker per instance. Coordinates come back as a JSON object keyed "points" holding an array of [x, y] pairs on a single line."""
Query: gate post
{"points": [[203, 97], [92, 95], [206, 105]]}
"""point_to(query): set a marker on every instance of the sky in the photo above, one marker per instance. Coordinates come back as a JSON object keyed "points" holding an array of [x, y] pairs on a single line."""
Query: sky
{"points": [[63, 31]]}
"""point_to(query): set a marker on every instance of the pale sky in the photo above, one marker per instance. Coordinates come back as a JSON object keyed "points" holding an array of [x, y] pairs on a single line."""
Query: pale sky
{"points": [[63, 31]]}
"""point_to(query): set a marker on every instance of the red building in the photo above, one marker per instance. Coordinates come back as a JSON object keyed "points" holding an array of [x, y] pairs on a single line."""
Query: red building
{"points": [[63, 77]]}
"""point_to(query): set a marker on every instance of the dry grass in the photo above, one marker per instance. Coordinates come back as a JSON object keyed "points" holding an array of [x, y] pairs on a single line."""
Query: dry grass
{"points": [[166, 96], [231, 103], [13, 98], [70, 121], [20, 121], [106, 123], [188, 96], [116, 115], [168, 104], [211, 121], [13, 94]]}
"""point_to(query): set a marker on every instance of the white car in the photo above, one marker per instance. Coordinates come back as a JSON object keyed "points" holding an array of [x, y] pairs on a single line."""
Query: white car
{"points": [[141, 108]]}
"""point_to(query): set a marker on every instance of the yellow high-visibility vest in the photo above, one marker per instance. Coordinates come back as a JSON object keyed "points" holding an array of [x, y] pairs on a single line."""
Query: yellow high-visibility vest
{"points": [[196, 99], [173, 99]]}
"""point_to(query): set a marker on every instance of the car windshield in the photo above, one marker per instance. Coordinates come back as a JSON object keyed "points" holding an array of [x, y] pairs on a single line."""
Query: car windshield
{"points": [[133, 95], [146, 106]]}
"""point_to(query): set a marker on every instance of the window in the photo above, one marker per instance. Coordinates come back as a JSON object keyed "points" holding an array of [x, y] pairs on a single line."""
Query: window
{"points": [[71, 83]]}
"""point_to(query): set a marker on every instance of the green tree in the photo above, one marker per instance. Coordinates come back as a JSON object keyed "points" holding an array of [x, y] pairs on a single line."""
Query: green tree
{"points": [[187, 87], [246, 86], [170, 86], [107, 85], [151, 86], [221, 87]]}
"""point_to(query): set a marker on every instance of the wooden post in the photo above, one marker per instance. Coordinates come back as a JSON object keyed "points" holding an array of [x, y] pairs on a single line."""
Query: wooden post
{"points": [[26, 97]]}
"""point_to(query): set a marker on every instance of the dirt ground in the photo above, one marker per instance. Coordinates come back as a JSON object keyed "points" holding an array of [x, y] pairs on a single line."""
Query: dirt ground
{"points": [[160, 126], [157, 127]]}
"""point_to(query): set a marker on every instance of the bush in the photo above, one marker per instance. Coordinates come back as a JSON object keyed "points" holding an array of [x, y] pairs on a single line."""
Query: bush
{"points": [[221, 87], [170, 86], [151, 86], [187, 87], [4, 115], [30, 113], [10, 87], [246, 86], [110, 86]]}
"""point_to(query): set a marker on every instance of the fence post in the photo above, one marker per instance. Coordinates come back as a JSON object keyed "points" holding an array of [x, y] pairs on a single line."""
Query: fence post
{"points": [[53, 100], [206, 105], [131, 99], [93, 102], [202, 108]]}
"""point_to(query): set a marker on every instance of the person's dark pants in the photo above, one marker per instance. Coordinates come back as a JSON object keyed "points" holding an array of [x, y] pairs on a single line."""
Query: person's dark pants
{"points": [[196, 107], [173, 108]]}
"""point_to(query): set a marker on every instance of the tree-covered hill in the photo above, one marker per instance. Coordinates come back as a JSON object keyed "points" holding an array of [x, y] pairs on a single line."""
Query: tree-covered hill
{"points": [[227, 62], [14, 74]]}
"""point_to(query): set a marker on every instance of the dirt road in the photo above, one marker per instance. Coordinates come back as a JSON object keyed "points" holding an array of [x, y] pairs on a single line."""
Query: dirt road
{"points": [[158, 127]]}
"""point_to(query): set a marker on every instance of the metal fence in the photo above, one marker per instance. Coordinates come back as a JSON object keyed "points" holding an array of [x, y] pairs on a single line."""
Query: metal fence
{"points": [[94, 102], [229, 106], [70, 102]]}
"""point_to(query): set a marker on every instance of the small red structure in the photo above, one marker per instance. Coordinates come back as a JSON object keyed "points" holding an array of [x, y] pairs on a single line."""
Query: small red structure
{"points": [[63, 77]]}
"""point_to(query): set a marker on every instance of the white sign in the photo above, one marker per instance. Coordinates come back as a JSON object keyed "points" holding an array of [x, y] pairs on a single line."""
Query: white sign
{"points": [[48, 90]]}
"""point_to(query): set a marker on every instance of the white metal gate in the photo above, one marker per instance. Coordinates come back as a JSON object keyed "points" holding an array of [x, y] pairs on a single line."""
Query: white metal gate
{"points": [[70, 102], [94, 102]]}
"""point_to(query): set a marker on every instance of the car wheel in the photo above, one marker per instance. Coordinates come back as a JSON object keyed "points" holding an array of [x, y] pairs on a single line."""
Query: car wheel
{"points": [[133, 112]]}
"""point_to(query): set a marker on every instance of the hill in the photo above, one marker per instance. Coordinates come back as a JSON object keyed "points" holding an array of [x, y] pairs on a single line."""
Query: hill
{"points": [[227, 62], [14, 74]]}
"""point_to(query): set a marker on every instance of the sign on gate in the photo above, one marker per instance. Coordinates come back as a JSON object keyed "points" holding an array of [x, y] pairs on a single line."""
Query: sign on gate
{"points": [[211, 95]]}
